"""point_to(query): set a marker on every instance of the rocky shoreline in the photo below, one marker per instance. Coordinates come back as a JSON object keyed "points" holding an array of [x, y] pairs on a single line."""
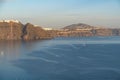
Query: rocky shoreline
{"points": [[15, 30]]}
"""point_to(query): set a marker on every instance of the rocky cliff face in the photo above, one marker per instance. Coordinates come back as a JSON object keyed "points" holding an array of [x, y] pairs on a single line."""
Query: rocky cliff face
{"points": [[18, 31], [30, 32], [115, 32], [14, 30], [10, 31], [102, 32], [87, 30]]}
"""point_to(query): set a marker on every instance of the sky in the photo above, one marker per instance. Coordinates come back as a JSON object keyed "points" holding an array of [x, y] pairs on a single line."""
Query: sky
{"points": [[60, 13]]}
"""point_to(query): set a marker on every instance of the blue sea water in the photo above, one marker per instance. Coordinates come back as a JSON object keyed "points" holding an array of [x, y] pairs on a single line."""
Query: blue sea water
{"points": [[86, 58]]}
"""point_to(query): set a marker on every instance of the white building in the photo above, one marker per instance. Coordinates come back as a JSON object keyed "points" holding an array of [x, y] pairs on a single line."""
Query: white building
{"points": [[36, 26], [47, 29], [8, 21]]}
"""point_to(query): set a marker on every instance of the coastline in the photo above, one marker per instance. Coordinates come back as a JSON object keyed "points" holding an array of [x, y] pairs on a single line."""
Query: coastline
{"points": [[15, 30]]}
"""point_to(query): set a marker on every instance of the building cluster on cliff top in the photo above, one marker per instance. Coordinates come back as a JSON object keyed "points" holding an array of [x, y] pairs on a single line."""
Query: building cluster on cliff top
{"points": [[8, 21]]}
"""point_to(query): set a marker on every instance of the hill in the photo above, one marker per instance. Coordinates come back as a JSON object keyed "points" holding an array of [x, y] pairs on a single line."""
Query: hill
{"points": [[78, 26], [82, 29]]}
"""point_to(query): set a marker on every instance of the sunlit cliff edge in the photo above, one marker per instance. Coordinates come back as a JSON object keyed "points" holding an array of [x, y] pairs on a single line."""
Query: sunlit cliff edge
{"points": [[15, 30]]}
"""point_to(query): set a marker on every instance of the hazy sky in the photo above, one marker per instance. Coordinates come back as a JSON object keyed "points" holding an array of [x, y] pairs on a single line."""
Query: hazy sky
{"points": [[59, 13]]}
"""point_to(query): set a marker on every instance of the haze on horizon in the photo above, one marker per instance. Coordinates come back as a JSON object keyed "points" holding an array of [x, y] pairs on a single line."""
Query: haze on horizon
{"points": [[60, 13]]}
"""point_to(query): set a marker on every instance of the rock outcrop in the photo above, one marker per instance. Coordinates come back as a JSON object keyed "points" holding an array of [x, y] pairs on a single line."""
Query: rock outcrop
{"points": [[11, 31], [31, 32], [14, 30]]}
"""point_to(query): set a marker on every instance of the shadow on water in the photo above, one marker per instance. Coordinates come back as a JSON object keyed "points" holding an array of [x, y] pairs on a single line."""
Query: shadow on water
{"points": [[11, 51]]}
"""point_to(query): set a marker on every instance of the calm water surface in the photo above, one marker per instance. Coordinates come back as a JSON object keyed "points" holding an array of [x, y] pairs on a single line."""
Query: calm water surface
{"points": [[91, 58]]}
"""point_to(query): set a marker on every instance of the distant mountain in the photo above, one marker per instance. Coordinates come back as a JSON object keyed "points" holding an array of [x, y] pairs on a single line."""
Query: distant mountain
{"points": [[82, 29], [78, 26]]}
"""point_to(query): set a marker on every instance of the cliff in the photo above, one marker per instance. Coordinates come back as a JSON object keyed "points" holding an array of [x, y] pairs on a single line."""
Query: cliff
{"points": [[13, 30], [81, 29], [10, 31], [31, 32]]}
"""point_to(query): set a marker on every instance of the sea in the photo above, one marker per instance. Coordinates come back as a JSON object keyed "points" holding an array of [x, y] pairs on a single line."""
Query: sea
{"points": [[73, 58]]}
